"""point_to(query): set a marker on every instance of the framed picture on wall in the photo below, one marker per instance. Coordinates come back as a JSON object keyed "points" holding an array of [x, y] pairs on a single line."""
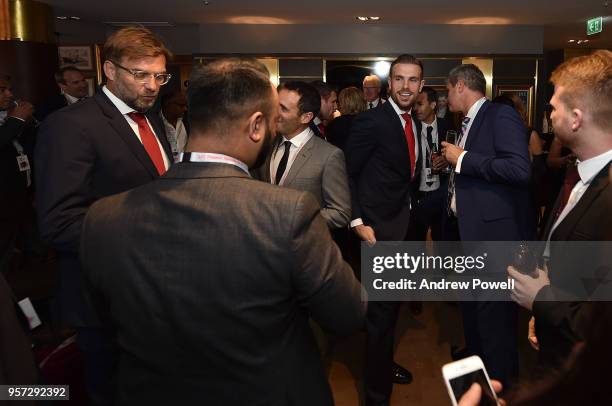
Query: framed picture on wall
{"points": [[91, 86], [524, 92], [99, 61], [76, 55]]}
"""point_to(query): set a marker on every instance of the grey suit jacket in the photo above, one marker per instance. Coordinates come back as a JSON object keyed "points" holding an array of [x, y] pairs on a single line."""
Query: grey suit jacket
{"points": [[209, 277], [319, 168]]}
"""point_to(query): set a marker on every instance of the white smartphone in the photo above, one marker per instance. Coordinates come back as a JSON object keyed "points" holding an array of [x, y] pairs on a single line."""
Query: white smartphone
{"points": [[460, 375]]}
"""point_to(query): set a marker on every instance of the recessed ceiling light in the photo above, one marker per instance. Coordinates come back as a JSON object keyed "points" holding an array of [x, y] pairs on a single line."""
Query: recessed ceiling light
{"points": [[61, 17], [75, 18], [572, 40], [364, 18], [586, 40]]}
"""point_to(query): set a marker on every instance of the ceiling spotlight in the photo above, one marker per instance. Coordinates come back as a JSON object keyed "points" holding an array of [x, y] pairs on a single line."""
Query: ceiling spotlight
{"points": [[586, 40], [61, 17], [74, 18], [206, 3], [382, 68], [364, 18], [572, 40]]}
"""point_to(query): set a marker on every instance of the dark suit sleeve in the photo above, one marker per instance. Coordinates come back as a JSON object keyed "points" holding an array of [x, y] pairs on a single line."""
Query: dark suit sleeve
{"points": [[567, 319], [335, 192], [11, 129], [359, 148], [324, 283], [511, 164], [65, 159]]}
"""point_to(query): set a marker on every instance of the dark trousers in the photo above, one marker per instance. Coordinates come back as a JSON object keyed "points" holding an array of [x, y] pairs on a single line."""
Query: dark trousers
{"points": [[489, 328], [99, 356], [427, 211], [380, 326]]}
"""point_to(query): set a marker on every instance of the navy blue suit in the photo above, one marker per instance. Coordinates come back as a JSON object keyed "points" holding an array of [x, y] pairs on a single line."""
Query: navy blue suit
{"points": [[492, 198]]}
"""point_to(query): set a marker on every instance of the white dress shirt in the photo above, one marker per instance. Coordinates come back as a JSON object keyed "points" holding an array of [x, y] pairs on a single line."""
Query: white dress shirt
{"points": [[472, 112], [359, 221], [374, 103], [125, 110], [297, 143], [177, 136], [435, 179], [70, 99], [587, 170]]}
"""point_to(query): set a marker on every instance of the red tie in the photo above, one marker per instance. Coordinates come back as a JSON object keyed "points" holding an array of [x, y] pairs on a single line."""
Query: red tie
{"points": [[149, 141], [321, 128], [571, 178], [410, 139]]}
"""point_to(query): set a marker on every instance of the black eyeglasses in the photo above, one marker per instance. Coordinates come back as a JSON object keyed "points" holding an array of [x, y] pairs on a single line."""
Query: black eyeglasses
{"points": [[141, 76]]}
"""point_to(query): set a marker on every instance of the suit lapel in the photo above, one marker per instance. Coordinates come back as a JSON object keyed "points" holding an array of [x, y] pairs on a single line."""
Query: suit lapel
{"points": [[567, 225], [264, 171], [299, 161], [399, 134], [475, 128], [117, 121]]}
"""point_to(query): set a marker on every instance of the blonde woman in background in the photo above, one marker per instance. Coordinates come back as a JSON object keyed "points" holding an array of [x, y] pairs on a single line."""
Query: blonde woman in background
{"points": [[351, 102]]}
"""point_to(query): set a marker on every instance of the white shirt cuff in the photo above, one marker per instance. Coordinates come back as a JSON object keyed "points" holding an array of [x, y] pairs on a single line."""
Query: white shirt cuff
{"points": [[356, 222], [459, 160]]}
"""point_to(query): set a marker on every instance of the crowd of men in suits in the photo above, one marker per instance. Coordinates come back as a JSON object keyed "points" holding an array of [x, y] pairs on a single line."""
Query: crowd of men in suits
{"points": [[198, 266]]}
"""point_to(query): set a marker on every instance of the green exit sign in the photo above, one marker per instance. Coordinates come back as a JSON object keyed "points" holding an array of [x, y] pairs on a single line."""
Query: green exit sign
{"points": [[594, 25]]}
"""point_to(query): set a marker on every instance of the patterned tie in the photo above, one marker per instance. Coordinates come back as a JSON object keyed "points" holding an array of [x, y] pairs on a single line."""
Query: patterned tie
{"points": [[149, 141], [282, 166], [451, 179], [409, 133], [428, 161]]}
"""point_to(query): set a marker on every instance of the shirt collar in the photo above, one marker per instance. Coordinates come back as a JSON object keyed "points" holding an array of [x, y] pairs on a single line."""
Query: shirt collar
{"points": [[70, 99], [300, 139], [397, 109], [375, 102], [475, 108], [120, 104], [317, 120], [433, 124], [591, 167]]}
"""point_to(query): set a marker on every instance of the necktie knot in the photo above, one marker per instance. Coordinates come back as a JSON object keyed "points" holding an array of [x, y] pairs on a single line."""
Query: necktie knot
{"points": [[138, 118], [406, 117], [371, 105]]}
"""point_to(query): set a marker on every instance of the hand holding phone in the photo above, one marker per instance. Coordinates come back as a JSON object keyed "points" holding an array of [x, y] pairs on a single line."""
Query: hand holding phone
{"points": [[459, 377]]}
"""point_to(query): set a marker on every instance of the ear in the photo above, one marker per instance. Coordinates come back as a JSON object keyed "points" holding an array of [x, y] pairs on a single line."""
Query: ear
{"points": [[460, 86], [256, 126], [110, 70], [577, 119], [306, 118], [422, 84]]}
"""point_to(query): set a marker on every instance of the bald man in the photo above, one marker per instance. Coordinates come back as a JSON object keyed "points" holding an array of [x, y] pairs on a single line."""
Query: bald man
{"points": [[371, 90]]}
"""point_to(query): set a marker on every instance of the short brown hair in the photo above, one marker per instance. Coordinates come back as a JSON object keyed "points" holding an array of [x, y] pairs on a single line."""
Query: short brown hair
{"points": [[408, 60], [587, 84], [59, 75], [134, 43], [351, 101]]}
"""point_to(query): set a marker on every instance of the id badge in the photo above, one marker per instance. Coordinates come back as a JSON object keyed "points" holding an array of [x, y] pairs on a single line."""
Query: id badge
{"points": [[429, 176], [23, 163], [30, 313]]}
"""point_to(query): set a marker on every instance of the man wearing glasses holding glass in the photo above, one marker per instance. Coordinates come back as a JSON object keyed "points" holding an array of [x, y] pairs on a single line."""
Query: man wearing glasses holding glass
{"points": [[104, 145]]}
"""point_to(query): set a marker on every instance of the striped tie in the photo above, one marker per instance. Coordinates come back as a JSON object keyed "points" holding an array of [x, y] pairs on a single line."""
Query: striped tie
{"points": [[451, 179]]}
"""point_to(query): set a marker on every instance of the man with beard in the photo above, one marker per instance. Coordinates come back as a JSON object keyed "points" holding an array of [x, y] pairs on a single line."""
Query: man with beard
{"points": [[101, 146], [229, 300], [383, 164]]}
